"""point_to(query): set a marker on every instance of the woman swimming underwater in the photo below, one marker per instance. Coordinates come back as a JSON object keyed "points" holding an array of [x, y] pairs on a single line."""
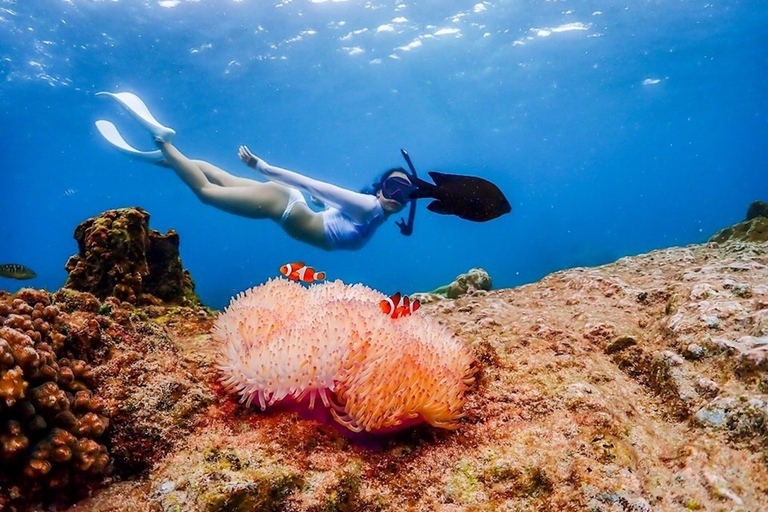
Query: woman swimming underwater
{"points": [[348, 221]]}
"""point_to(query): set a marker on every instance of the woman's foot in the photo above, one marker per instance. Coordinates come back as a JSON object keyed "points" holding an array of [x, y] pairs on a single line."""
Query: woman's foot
{"points": [[166, 149], [136, 107], [110, 133]]}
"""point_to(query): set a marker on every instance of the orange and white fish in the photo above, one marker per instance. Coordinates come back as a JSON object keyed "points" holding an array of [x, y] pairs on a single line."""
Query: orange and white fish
{"points": [[298, 271], [399, 305]]}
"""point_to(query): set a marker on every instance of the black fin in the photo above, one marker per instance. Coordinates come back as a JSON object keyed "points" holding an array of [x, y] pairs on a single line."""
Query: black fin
{"points": [[439, 207], [420, 183], [419, 193], [440, 178], [423, 188]]}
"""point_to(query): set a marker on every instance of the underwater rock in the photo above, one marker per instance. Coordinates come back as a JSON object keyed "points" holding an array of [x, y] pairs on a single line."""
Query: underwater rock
{"points": [[752, 230], [155, 392], [251, 479], [476, 281], [120, 256], [743, 419], [757, 209]]}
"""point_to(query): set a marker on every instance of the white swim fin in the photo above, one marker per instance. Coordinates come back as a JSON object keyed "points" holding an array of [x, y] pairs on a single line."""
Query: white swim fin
{"points": [[109, 132], [141, 113]]}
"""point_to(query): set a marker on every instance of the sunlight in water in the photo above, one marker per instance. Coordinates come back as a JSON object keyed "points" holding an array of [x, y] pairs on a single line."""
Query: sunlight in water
{"points": [[589, 112], [384, 31]]}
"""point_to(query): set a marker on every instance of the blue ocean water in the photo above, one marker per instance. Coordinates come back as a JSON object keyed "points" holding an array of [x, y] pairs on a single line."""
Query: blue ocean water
{"points": [[614, 128]]}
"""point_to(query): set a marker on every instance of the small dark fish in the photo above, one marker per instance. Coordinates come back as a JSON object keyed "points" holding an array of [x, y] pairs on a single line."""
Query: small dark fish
{"points": [[16, 271], [468, 197]]}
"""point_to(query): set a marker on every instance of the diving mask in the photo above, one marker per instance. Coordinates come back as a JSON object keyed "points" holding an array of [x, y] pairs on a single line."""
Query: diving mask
{"points": [[397, 188]]}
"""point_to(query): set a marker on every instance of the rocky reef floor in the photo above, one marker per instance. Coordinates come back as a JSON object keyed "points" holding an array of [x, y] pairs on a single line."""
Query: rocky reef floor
{"points": [[634, 386]]}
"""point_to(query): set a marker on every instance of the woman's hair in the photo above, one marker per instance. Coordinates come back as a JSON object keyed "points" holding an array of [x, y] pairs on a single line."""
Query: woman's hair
{"points": [[374, 187]]}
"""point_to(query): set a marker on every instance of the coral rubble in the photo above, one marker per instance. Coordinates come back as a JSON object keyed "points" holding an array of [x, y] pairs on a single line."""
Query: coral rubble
{"points": [[120, 256]]}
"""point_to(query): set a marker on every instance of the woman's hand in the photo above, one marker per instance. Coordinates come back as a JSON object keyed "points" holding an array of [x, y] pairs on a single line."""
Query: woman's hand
{"points": [[247, 157]]}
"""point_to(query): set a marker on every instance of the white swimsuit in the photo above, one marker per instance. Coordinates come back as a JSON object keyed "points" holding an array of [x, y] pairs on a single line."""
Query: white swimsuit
{"points": [[350, 218], [341, 232]]}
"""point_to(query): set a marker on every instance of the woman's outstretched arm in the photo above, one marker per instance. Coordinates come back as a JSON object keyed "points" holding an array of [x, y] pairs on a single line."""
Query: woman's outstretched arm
{"points": [[358, 206]]}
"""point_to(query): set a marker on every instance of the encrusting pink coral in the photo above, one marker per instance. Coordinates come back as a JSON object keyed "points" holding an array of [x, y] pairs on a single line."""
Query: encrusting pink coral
{"points": [[285, 344]]}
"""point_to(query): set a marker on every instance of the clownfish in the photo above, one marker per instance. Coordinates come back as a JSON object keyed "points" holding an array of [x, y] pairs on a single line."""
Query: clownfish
{"points": [[399, 305], [300, 272]]}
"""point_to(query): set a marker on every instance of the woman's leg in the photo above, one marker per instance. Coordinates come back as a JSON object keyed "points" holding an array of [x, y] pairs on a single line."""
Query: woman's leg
{"points": [[246, 198], [256, 200], [221, 177]]}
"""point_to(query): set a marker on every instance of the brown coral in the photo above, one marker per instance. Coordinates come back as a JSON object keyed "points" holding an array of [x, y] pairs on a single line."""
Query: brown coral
{"points": [[120, 256], [49, 418]]}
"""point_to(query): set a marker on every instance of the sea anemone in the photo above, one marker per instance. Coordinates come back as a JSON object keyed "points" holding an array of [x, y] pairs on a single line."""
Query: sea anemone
{"points": [[285, 344]]}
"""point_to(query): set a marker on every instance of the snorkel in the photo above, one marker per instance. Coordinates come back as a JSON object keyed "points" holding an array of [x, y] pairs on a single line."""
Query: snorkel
{"points": [[406, 228]]}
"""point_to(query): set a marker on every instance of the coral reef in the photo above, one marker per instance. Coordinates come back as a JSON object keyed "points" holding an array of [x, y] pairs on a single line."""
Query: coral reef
{"points": [[91, 389], [475, 281], [51, 421], [638, 385], [753, 230], [120, 256], [154, 393], [370, 372], [634, 386], [757, 209]]}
